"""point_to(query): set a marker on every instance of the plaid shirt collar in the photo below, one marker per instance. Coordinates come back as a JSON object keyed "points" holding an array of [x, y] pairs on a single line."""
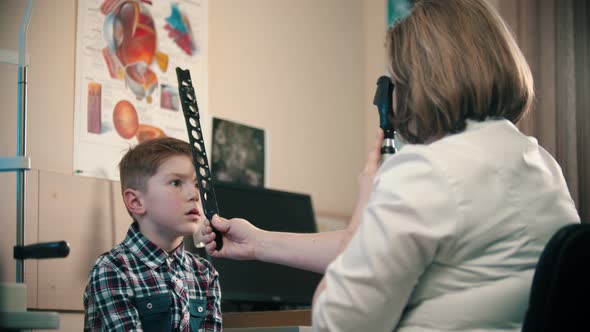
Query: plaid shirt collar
{"points": [[148, 252]]}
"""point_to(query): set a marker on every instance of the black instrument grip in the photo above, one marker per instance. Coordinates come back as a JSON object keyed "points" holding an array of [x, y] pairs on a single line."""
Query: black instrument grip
{"points": [[190, 110], [384, 102]]}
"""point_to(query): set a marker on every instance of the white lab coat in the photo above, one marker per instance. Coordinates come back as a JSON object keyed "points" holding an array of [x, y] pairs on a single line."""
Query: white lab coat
{"points": [[450, 238]]}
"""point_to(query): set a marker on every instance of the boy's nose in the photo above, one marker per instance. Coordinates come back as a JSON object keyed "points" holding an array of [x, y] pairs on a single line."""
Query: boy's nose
{"points": [[194, 194]]}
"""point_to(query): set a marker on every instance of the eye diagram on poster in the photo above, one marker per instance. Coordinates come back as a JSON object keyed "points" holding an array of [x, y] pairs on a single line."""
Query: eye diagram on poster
{"points": [[126, 88], [238, 154]]}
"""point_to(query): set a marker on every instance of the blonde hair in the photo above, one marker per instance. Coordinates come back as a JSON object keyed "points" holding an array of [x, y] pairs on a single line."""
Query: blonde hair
{"points": [[453, 60]]}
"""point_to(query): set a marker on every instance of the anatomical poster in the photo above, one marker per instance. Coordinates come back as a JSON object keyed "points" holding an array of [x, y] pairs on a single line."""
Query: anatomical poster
{"points": [[127, 52]]}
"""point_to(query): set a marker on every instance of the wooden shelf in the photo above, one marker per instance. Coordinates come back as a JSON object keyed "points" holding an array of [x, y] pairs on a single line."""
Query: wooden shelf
{"points": [[267, 318]]}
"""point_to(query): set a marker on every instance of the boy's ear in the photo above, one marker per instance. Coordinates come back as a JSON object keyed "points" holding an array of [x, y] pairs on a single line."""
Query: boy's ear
{"points": [[133, 201]]}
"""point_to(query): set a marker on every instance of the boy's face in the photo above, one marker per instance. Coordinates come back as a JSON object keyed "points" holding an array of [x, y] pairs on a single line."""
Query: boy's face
{"points": [[171, 200]]}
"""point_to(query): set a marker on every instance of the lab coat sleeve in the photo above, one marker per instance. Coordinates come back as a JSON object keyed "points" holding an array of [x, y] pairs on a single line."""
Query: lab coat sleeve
{"points": [[411, 213]]}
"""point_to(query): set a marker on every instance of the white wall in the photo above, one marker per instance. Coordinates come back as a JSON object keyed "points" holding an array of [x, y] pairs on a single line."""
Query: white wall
{"points": [[295, 68]]}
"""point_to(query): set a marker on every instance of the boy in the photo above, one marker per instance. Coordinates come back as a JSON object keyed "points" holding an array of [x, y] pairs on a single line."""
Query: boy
{"points": [[149, 282]]}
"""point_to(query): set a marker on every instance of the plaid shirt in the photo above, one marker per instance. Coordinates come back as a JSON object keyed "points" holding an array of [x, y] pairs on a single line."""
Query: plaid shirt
{"points": [[139, 287]]}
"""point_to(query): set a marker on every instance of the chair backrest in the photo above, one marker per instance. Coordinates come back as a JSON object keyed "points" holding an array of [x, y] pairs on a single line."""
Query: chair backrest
{"points": [[560, 293]]}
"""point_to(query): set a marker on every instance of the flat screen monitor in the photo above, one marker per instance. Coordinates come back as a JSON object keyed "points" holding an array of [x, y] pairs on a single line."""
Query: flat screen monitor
{"points": [[254, 282]]}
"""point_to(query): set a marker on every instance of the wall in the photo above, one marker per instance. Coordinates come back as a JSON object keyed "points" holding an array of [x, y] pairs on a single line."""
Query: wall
{"points": [[303, 70], [294, 67]]}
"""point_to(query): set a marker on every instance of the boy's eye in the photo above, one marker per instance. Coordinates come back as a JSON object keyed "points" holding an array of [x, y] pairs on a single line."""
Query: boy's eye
{"points": [[176, 183]]}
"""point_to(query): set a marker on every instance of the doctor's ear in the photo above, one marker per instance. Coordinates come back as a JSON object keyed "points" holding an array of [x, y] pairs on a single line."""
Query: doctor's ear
{"points": [[133, 201]]}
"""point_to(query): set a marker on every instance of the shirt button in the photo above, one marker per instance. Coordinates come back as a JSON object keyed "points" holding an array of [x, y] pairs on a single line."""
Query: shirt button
{"points": [[149, 306], [200, 309]]}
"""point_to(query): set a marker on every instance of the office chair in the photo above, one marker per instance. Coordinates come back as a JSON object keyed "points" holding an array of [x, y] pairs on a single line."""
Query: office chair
{"points": [[560, 292]]}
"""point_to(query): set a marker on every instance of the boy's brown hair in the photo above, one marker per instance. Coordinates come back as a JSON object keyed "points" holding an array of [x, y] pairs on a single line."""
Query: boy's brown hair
{"points": [[142, 161], [454, 60]]}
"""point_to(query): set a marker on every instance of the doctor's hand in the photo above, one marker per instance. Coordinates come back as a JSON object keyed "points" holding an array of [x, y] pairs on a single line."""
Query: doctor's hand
{"points": [[365, 188], [366, 177], [239, 238]]}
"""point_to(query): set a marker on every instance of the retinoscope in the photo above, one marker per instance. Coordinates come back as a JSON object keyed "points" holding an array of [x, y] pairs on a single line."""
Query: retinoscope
{"points": [[384, 102]]}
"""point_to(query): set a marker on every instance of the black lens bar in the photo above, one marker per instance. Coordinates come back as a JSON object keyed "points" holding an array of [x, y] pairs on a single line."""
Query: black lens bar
{"points": [[195, 136]]}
